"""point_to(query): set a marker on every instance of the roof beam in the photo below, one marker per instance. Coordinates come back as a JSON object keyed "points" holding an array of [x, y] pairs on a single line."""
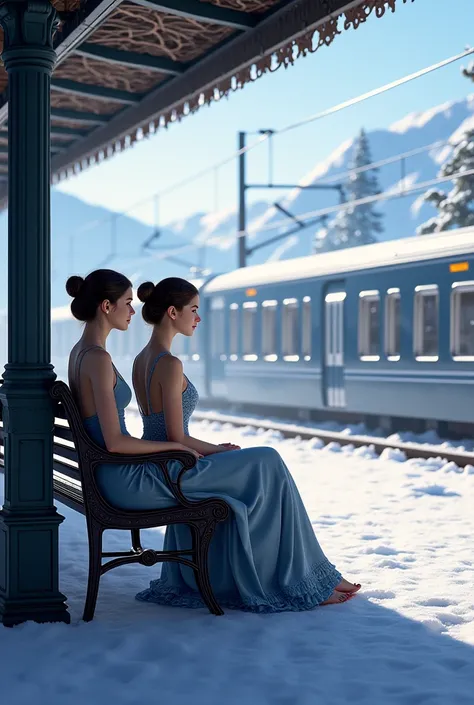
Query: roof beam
{"points": [[54, 149], [130, 58], [203, 11], [78, 116], [89, 90], [67, 131]]}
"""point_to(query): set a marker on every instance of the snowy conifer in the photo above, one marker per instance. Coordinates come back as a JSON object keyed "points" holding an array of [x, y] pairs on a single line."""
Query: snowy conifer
{"points": [[455, 208], [354, 225], [469, 72]]}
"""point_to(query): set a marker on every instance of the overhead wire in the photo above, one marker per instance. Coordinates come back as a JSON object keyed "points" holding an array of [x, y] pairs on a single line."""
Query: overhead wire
{"points": [[292, 126], [386, 195]]}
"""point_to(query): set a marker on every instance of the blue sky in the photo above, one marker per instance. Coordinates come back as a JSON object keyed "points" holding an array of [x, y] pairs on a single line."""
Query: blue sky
{"points": [[380, 51]]}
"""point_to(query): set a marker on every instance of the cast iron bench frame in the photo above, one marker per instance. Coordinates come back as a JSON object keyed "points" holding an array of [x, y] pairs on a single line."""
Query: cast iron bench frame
{"points": [[75, 458]]}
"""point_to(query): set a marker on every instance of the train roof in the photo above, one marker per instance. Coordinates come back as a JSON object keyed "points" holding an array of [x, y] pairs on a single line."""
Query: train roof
{"points": [[449, 244]]}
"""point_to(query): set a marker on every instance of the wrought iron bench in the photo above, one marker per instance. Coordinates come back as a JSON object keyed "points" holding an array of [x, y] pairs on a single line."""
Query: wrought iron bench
{"points": [[75, 459]]}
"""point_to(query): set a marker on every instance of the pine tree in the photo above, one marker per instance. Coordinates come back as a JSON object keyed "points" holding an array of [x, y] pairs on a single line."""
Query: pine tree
{"points": [[469, 72], [456, 208], [354, 225]]}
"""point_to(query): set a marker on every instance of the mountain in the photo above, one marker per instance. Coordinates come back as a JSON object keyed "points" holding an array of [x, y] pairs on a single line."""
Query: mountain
{"points": [[83, 235], [401, 215]]}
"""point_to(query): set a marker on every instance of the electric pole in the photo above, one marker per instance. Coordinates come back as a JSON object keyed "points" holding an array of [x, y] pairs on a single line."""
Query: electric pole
{"points": [[242, 187]]}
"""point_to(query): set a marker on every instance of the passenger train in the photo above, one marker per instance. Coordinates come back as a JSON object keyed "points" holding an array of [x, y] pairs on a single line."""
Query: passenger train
{"points": [[382, 333]]}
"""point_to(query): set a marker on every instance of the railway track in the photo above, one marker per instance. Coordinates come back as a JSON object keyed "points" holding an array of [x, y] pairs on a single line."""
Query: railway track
{"points": [[290, 430]]}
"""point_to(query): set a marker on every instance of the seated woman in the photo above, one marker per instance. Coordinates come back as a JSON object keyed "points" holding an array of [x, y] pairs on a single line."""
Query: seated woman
{"points": [[266, 558], [103, 300]]}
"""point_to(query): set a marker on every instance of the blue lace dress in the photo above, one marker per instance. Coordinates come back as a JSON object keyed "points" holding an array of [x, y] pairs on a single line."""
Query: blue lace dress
{"points": [[266, 557]]}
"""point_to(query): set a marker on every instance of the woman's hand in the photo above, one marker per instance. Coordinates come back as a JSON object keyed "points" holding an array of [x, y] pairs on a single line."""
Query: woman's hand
{"points": [[229, 446]]}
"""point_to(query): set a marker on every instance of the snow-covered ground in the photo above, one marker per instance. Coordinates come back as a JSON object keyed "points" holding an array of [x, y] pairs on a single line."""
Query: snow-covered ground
{"points": [[403, 528]]}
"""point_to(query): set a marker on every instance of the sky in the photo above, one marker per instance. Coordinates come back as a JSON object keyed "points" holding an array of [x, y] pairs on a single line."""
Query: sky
{"points": [[382, 50]]}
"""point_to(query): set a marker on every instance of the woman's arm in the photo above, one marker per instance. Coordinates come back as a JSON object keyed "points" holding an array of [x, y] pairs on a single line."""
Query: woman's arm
{"points": [[98, 366], [172, 391]]}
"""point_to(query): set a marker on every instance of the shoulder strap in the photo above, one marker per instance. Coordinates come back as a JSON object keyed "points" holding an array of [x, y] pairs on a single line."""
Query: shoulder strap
{"points": [[77, 370], [150, 375]]}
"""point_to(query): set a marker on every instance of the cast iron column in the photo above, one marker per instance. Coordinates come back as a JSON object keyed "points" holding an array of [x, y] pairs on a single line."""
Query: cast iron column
{"points": [[29, 521]]}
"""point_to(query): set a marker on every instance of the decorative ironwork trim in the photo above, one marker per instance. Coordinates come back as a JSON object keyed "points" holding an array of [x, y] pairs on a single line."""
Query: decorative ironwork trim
{"points": [[202, 11], [130, 58]]}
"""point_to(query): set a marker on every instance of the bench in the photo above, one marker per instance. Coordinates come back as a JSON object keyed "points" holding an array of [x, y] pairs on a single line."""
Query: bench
{"points": [[75, 459]]}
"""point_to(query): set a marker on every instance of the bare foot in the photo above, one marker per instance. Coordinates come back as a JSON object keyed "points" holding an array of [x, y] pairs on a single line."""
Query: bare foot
{"points": [[336, 598], [346, 586]]}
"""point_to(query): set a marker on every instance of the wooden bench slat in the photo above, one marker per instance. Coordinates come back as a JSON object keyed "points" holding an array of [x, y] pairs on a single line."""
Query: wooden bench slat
{"points": [[66, 470], [65, 451], [68, 493], [63, 432]]}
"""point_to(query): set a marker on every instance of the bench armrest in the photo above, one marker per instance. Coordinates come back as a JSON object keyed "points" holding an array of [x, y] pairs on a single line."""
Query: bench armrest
{"points": [[187, 460]]}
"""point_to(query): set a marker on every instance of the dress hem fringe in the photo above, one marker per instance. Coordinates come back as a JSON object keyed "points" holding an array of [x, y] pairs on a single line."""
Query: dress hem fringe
{"points": [[313, 589]]}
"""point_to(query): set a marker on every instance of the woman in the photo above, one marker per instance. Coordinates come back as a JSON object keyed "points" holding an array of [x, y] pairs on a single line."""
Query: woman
{"points": [[266, 558], [103, 300]]}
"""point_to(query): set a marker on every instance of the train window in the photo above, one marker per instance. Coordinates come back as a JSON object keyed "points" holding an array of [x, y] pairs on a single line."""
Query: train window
{"points": [[306, 328], [289, 331], [218, 328], [425, 323], [369, 326], [392, 324], [269, 330], [249, 331], [462, 321], [234, 332]]}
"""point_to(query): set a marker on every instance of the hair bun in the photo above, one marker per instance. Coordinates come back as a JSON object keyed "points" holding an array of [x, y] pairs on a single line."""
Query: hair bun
{"points": [[145, 290], [73, 285]]}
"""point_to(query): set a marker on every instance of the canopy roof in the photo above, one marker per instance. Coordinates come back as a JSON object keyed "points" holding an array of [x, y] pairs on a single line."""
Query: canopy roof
{"points": [[125, 69]]}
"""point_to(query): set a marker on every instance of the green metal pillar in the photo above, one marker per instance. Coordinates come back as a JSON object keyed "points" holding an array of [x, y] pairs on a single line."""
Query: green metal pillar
{"points": [[29, 521]]}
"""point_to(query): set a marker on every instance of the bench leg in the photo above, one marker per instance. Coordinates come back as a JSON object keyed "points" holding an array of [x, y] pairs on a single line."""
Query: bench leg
{"points": [[201, 542], [136, 543], [95, 562]]}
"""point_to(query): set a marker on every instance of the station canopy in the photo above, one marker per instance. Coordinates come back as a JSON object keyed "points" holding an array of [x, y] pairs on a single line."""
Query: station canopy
{"points": [[127, 69]]}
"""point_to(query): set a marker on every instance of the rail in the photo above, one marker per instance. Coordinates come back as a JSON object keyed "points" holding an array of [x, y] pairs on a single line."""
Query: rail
{"points": [[290, 430]]}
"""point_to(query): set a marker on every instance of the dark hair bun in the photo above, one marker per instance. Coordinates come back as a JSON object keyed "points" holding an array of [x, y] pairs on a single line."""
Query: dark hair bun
{"points": [[171, 291], [88, 293], [145, 290], [73, 286]]}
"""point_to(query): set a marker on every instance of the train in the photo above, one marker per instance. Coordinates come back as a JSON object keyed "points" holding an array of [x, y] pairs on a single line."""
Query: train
{"points": [[382, 334]]}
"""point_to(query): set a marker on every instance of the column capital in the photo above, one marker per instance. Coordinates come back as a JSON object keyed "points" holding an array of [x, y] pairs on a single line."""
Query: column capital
{"points": [[29, 24]]}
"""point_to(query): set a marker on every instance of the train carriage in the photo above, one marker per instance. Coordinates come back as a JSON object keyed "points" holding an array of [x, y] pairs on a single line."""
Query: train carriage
{"points": [[379, 333], [385, 330]]}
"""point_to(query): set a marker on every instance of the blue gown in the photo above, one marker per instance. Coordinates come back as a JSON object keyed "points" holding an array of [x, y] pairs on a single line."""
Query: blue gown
{"points": [[264, 558]]}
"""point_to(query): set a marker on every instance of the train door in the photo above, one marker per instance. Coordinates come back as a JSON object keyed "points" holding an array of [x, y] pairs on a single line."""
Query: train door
{"points": [[333, 377]]}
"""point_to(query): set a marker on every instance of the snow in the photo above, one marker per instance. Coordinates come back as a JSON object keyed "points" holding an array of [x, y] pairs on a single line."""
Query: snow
{"points": [[361, 258], [419, 119], [404, 529]]}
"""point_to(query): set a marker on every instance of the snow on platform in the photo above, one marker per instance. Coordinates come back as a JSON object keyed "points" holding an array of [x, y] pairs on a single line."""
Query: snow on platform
{"points": [[402, 528]]}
